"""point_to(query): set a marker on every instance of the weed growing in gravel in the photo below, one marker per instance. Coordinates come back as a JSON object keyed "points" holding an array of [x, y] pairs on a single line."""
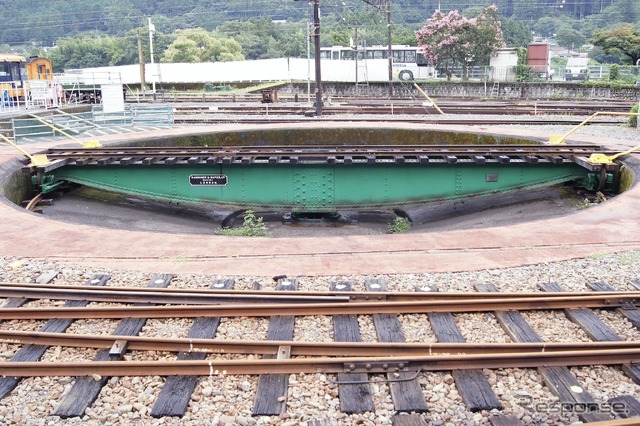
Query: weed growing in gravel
{"points": [[629, 258], [251, 227], [399, 225], [581, 204], [598, 256]]}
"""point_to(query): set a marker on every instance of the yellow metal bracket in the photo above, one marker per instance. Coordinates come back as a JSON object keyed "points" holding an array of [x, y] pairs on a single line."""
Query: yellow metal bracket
{"points": [[607, 159], [90, 144], [602, 159], [428, 98], [36, 160], [556, 140]]}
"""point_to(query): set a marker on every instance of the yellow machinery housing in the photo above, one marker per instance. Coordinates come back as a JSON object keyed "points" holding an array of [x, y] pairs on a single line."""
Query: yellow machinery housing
{"points": [[16, 71]]}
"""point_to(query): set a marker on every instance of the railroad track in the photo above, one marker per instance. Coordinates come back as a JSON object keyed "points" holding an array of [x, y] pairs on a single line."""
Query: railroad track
{"points": [[346, 154], [377, 105], [350, 367], [255, 117], [401, 110]]}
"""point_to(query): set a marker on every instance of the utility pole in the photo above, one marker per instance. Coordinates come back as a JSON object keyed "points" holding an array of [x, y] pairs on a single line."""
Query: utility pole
{"points": [[141, 62], [316, 45], [316, 36], [378, 4], [152, 31], [357, 48], [308, 55], [389, 52]]}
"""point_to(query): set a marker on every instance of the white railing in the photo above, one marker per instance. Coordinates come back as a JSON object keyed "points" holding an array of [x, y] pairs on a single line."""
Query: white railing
{"points": [[10, 97], [15, 96], [82, 77]]}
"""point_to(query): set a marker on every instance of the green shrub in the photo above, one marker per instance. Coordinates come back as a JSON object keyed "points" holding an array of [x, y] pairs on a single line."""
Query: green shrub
{"points": [[614, 72], [399, 225], [523, 72], [251, 227], [633, 120]]}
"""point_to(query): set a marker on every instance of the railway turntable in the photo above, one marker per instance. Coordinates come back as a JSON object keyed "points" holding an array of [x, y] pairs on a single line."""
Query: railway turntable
{"points": [[323, 179]]}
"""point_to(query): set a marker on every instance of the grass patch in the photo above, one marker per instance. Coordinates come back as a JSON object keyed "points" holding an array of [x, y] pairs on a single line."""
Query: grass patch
{"points": [[252, 226], [399, 225]]}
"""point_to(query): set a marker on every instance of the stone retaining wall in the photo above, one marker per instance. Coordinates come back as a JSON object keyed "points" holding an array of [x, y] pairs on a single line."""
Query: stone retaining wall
{"points": [[473, 90]]}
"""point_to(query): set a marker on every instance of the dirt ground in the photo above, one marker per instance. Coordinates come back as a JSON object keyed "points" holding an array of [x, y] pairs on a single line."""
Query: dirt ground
{"points": [[118, 212]]}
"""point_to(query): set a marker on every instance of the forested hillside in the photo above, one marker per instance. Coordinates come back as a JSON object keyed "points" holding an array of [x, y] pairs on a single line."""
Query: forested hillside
{"points": [[103, 32], [44, 22]]}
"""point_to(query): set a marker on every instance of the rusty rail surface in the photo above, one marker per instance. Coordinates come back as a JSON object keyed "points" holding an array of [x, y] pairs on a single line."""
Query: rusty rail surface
{"points": [[321, 365], [313, 150], [209, 296], [154, 295], [546, 302], [297, 348], [197, 117], [329, 154]]}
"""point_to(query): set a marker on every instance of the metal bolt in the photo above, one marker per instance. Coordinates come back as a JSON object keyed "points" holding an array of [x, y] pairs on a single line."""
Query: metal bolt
{"points": [[368, 366], [401, 365], [352, 366], [385, 366]]}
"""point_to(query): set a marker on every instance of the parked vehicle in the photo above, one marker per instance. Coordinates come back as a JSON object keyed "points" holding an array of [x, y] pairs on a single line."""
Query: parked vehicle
{"points": [[577, 69], [408, 62], [539, 60]]}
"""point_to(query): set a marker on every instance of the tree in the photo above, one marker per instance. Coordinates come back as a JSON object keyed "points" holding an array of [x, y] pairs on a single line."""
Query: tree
{"points": [[255, 36], [598, 55], [199, 45], [443, 40], [453, 40], [82, 52], [515, 33], [486, 35], [547, 26], [623, 40], [120, 17], [570, 38]]}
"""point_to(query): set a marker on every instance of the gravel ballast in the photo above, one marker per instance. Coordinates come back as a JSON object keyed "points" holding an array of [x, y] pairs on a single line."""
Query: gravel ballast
{"points": [[228, 400]]}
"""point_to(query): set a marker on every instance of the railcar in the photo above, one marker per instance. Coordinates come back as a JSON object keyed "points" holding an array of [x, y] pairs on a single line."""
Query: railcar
{"points": [[16, 73]]}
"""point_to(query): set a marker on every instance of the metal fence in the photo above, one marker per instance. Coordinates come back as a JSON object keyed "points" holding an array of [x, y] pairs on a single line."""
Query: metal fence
{"points": [[136, 116], [58, 125], [624, 73], [16, 96]]}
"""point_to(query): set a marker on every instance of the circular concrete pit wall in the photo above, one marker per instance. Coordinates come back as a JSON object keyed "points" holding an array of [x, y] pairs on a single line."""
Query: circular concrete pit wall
{"points": [[16, 186]]}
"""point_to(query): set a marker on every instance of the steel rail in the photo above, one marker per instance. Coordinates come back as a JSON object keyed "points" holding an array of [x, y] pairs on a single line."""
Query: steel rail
{"points": [[305, 309], [302, 150], [398, 105], [183, 297], [222, 367], [202, 296], [391, 111], [186, 119], [355, 155], [297, 348], [631, 421]]}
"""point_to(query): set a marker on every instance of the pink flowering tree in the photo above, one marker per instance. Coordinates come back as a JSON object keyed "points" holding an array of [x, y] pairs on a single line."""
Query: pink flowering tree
{"points": [[452, 40]]}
